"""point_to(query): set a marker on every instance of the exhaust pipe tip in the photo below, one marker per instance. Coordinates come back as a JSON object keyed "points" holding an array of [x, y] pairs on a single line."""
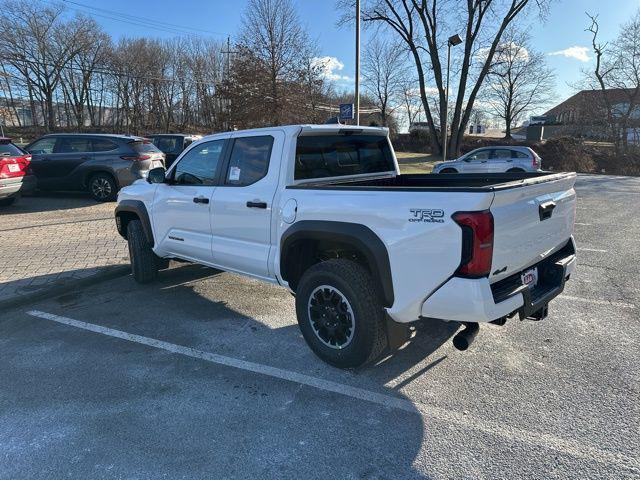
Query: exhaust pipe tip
{"points": [[463, 339]]}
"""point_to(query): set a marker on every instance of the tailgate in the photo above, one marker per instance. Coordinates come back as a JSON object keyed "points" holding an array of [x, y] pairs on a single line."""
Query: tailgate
{"points": [[531, 221]]}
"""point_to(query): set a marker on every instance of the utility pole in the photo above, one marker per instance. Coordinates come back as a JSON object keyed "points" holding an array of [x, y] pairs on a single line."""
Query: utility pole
{"points": [[444, 133], [227, 78], [357, 99]]}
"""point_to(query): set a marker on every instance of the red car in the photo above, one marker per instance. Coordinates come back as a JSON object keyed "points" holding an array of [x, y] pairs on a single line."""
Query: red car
{"points": [[15, 175]]}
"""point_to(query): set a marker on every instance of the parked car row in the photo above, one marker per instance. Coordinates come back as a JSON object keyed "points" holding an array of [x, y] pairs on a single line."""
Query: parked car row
{"points": [[100, 164]]}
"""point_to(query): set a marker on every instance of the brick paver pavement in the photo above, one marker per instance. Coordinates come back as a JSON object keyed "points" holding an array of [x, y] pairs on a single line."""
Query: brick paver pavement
{"points": [[48, 240]]}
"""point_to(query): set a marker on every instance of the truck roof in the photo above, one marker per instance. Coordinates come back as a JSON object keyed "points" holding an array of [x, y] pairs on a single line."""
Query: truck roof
{"points": [[312, 129]]}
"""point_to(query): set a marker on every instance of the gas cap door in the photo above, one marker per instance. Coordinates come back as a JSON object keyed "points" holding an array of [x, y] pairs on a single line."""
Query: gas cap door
{"points": [[289, 211]]}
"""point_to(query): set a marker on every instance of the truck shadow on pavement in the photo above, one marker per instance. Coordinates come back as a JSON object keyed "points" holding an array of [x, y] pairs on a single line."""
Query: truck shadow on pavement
{"points": [[242, 318], [276, 425]]}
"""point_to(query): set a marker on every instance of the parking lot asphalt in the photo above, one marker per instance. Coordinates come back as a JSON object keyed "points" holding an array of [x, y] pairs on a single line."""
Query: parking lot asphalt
{"points": [[205, 374], [52, 241]]}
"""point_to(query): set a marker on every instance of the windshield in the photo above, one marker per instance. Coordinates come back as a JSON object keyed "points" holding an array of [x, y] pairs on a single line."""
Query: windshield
{"points": [[326, 156]]}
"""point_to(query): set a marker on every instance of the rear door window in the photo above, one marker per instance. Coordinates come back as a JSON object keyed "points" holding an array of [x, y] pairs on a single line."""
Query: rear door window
{"points": [[73, 145], [517, 154], [502, 154], [326, 156], [249, 160]]}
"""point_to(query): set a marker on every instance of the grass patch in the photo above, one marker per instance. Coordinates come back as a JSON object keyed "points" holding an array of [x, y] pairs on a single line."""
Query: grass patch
{"points": [[411, 162]]}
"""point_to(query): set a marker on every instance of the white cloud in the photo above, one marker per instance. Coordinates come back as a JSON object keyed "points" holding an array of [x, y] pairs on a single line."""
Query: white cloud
{"points": [[579, 53], [505, 51], [330, 68]]}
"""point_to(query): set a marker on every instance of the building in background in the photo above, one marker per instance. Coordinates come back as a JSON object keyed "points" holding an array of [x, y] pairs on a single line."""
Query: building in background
{"points": [[586, 115]]}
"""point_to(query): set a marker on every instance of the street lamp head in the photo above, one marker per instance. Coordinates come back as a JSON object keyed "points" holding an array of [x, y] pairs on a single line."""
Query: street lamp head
{"points": [[455, 40]]}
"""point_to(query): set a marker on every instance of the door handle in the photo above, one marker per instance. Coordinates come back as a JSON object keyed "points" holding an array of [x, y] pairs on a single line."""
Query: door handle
{"points": [[545, 210], [257, 204], [200, 200]]}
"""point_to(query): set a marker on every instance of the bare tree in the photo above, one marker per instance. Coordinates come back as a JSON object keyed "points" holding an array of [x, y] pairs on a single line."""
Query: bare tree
{"points": [[424, 27], [617, 76], [274, 39], [79, 76], [411, 102], [519, 80], [38, 43], [383, 70]]}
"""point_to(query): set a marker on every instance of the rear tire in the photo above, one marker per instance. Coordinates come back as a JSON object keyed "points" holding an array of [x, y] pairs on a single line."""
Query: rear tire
{"points": [[340, 313], [102, 187], [144, 265], [7, 202], [449, 170]]}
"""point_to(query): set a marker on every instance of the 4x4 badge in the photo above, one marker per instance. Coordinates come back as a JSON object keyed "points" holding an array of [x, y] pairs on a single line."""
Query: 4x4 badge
{"points": [[426, 215]]}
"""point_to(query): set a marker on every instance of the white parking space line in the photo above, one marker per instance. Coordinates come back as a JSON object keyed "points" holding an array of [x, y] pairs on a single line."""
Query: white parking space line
{"points": [[581, 249], [537, 439], [595, 301], [583, 224]]}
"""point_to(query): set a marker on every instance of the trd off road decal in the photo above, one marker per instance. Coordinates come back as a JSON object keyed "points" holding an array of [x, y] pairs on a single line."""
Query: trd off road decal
{"points": [[426, 215]]}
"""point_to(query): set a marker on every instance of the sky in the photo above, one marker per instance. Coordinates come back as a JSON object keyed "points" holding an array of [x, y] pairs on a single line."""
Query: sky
{"points": [[561, 37]]}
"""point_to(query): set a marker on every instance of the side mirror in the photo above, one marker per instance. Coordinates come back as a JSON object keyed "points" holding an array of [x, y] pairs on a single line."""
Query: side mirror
{"points": [[156, 175], [467, 159]]}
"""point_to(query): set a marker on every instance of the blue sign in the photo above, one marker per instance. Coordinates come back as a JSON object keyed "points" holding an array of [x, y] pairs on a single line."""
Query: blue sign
{"points": [[346, 111]]}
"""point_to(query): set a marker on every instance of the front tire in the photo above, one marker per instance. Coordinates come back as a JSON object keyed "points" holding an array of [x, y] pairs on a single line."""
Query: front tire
{"points": [[449, 170], [340, 313], [144, 264], [103, 188]]}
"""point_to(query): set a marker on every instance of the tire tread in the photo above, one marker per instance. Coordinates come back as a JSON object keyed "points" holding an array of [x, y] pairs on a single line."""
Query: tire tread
{"points": [[368, 302], [144, 265]]}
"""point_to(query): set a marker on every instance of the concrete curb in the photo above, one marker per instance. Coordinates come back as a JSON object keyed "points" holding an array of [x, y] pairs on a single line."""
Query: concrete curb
{"points": [[104, 274]]}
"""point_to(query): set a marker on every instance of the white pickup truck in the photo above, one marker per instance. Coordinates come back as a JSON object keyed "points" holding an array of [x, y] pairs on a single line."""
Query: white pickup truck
{"points": [[323, 211]]}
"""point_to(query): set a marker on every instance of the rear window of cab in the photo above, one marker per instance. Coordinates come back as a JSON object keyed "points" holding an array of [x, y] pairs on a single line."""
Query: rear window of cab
{"points": [[325, 156]]}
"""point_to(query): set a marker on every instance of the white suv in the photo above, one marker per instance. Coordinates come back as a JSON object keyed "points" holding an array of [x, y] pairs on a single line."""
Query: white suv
{"points": [[493, 160]]}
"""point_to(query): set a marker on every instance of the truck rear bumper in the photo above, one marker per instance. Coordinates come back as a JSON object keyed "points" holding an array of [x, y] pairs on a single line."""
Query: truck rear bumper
{"points": [[476, 300]]}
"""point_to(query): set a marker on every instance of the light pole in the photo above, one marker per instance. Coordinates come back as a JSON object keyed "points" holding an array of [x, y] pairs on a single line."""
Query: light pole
{"points": [[453, 41], [357, 93]]}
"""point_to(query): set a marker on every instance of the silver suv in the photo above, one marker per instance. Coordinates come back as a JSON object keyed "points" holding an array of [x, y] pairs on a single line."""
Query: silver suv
{"points": [[493, 160]]}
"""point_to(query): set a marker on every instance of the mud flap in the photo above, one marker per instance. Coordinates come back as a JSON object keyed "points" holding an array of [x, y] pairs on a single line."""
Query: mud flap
{"points": [[397, 334]]}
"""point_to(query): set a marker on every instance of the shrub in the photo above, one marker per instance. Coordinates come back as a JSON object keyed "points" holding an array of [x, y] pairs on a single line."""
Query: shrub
{"points": [[566, 154]]}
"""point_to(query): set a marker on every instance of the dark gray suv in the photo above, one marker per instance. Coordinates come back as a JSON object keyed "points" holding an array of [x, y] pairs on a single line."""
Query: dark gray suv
{"points": [[99, 164]]}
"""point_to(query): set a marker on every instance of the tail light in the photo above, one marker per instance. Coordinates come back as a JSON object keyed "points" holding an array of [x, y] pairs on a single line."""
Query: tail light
{"points": [[477, 243], [535, 162], [11, 167], [135, 158]]}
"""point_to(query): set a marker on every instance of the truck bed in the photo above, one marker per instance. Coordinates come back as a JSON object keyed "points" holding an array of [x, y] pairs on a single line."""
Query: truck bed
{"points": [[455, 182]]}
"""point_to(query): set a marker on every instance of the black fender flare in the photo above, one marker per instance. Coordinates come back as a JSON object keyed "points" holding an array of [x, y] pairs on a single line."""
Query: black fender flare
{"points": [[138, 208], [360, 236]]}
